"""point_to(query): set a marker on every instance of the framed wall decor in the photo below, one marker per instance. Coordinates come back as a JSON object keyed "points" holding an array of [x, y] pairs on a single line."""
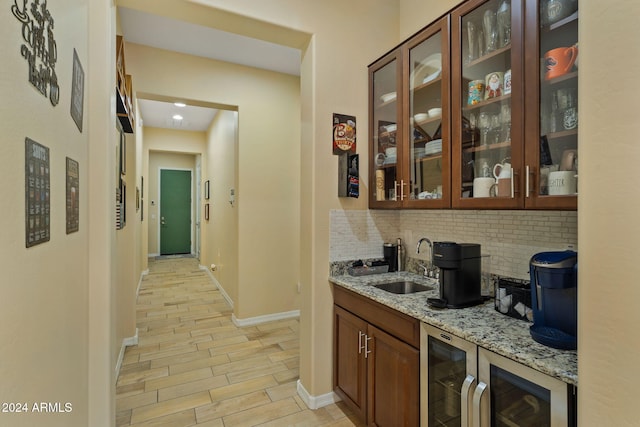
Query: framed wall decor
{"points": [[77, 91], [344, 134], [206, 211], [123, 153], [37, 194], [141, 198], [73, 194], [206, 190]]}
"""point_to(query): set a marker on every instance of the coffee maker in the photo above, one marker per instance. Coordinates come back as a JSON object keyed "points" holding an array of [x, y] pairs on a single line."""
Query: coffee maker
{"points": [[460, 272], [554, 299]]}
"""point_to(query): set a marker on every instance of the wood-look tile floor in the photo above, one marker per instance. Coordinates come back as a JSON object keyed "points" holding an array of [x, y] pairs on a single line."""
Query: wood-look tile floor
{"points": [[193, 367]]}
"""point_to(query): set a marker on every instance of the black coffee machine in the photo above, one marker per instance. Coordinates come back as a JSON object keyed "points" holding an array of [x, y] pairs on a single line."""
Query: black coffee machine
{"points": [[460, 271]]}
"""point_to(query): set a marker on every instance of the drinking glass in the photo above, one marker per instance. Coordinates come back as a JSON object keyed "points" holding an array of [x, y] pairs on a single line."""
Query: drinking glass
{"points": [[504, 23], [471, 37], [505, 120], [490, 31], [495, 128], [484, 123]]}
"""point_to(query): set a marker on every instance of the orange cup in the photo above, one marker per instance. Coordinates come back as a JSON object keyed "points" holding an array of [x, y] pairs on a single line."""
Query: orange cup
{"points": [[559, 61]]}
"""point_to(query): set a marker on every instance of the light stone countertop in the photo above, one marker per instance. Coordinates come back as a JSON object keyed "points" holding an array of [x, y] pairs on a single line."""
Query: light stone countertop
{"points": [[481, 325]]}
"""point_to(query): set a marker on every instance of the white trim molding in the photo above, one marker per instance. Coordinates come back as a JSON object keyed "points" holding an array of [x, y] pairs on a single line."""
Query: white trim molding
{"points": [[316, 402], [217, 284], [251, 321], [144, 273], [126, 342]]}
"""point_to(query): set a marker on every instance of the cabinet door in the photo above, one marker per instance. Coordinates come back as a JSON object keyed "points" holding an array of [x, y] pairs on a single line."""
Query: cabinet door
{"points": [[427, 124], [446, 361], [518, 395], [552, 104], [349, 376], [385, 129], [394, 381], [487, 93]]}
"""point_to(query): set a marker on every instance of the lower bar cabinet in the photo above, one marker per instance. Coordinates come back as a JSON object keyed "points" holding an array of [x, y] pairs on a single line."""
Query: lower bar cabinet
{"points": [[376, 372], [466, 385]]}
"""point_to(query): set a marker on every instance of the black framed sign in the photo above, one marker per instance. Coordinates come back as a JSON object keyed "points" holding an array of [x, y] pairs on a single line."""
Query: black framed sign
{"points": [[73, 195], [77, 91], [37, 194], [206, 190]]}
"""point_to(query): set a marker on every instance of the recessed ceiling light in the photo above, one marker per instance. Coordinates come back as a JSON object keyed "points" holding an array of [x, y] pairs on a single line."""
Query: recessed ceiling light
{"points": [[177, 117], [180, 104]]}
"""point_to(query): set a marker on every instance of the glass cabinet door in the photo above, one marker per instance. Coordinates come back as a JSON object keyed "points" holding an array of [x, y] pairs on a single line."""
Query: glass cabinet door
{"points": [[427, 127], [487, 91], [520, 396], [552, 161], [386, 149], [446, 361]]}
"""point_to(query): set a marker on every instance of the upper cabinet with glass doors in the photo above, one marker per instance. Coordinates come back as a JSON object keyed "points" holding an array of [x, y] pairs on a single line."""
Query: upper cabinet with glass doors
{"points": [[385, 115], [486, 104], [410, 126], [479, 110], [551, 166]]}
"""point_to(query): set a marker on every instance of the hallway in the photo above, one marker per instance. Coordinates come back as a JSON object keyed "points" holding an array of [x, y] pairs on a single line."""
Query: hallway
{"points": [[193, 366]]}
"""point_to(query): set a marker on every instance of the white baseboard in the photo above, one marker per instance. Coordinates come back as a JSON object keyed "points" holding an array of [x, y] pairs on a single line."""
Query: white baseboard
{"points": [[225, 295], [316, 402], [144, 273], [126, 342], [251, 321]]}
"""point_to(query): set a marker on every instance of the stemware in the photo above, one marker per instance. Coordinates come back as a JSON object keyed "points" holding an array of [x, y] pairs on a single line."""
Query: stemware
{"points": [[484, 123]]}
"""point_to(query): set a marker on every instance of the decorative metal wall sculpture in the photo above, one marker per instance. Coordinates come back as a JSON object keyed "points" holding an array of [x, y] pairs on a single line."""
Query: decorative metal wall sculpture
{"points": [[39, 49]]}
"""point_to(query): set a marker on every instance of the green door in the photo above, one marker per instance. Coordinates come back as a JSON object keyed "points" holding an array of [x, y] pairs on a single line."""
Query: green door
{"points": [[175, 212]]}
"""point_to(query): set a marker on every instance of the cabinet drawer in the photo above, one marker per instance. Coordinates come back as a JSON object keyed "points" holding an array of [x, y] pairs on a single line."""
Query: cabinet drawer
{"points": [[403, 327]]}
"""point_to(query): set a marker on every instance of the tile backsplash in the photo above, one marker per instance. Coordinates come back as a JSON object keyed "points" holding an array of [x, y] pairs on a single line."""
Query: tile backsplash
{"points": [[510, 237]]}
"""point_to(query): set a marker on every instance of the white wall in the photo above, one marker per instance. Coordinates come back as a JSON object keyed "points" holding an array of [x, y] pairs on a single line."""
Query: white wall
{"points": [[44, 317], [267, 188], [220, 231], [608, 206]]}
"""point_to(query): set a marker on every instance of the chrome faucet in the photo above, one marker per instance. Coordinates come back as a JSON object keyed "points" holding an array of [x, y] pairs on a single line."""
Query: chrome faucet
{"points": [[428, 270]]}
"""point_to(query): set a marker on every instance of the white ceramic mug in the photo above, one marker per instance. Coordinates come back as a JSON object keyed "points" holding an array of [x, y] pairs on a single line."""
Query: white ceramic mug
{"points": [[482, 187], [562, 183]]}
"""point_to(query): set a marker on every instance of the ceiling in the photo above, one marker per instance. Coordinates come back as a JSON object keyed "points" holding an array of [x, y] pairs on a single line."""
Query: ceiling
{"points": [[184, 37]]}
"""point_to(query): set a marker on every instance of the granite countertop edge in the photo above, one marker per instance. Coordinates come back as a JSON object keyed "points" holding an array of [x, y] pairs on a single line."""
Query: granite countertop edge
{"points": [[481, 325]]}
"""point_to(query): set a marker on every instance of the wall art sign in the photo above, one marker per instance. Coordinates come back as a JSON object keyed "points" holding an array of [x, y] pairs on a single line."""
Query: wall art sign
{"points": [[37, 193], [39, 48], [344, 134], [73, 194], [77, 91]]}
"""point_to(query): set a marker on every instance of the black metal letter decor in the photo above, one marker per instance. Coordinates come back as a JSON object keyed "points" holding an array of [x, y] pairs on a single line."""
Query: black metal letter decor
{"points": [[39, 48]]}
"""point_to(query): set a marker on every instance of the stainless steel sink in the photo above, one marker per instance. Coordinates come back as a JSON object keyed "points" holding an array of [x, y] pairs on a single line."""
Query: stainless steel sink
{"points": [[403, 287]]}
